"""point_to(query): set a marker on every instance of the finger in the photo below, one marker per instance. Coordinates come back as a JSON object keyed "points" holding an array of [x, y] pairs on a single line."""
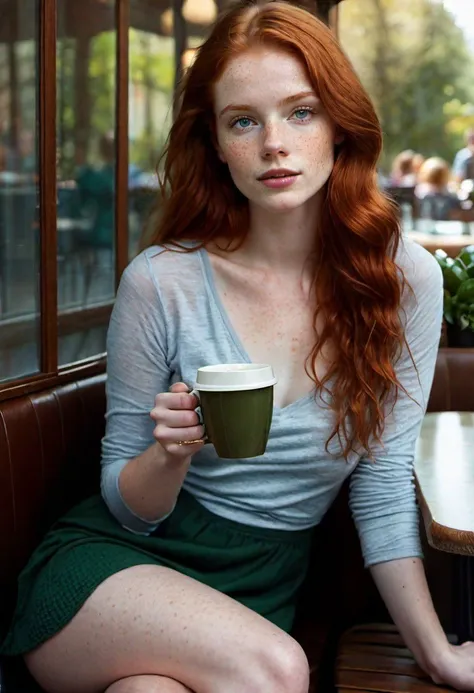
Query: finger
{"points": [[176, 400], [168, 436], [175, 418], [179, 387]]}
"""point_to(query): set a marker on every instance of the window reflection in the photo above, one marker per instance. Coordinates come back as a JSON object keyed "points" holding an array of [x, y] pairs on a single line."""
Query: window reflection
{"points": [[152, 73], [19, 192], [152, 79], [86, 154]]}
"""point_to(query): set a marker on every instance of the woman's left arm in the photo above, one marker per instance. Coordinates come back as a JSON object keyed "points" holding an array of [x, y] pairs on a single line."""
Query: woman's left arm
{"points": [[402, 586], [382, 490]]}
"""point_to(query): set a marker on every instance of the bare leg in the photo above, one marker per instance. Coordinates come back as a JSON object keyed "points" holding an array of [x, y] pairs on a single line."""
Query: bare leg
{"points": [[147, 684], [152, 620]]}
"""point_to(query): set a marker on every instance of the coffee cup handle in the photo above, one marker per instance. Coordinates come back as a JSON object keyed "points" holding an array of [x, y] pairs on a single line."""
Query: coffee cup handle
{"points": [[199, 413]]}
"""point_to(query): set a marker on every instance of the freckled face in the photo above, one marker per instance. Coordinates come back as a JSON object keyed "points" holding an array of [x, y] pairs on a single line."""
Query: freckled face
{"points": [[269, 120]]}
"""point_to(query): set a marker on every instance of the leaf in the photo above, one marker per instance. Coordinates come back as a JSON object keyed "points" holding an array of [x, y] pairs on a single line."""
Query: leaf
{"points": [[448, 308], [454, 275], [467, 255], [441, 255], [465, 293]]}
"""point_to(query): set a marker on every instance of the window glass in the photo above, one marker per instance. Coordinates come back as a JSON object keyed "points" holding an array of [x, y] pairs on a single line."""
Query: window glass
{"points": [[86, 156], [19, 191], [151, 85]]}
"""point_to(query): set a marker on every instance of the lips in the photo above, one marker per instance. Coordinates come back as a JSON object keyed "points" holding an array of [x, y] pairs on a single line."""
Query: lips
{"points": [[278, 173]]}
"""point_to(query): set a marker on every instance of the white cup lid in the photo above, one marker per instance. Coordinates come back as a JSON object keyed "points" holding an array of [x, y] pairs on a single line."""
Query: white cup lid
{"points": [[231, 377]]}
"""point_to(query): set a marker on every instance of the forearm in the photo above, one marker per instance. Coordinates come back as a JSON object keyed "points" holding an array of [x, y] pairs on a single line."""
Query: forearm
{"points": [[403, 587], [150, 483]]}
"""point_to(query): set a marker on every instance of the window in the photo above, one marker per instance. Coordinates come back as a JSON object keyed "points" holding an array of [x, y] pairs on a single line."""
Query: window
{"points": [[86, 168], [86, 100], [19, 189], [152, 77]]}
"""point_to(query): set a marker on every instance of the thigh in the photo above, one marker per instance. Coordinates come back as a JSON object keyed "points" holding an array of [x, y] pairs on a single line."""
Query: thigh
{"points": [[153, 620]]}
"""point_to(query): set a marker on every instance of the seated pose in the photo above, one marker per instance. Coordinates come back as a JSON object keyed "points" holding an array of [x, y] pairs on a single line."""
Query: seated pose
{"points": [[274, 245]]}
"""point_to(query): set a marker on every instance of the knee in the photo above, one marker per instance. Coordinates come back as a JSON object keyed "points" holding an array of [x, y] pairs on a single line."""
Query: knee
{"points": [[283, 667]]}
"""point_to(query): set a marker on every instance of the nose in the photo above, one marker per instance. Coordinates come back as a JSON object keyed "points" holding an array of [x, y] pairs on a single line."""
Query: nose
{"points": [[273, 144]]}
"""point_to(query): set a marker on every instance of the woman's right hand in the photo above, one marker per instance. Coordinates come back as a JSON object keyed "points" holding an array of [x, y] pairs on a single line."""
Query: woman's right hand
{"points": [[176, 421]]}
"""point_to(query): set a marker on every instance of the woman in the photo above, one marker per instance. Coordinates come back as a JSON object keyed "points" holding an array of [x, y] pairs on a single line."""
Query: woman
{"points": [[432, 190], [403, 172], [436, 200], [280, 249]]}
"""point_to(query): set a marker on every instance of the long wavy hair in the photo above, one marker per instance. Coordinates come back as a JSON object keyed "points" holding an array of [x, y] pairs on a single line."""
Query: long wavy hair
{"points": [[357, 284]]}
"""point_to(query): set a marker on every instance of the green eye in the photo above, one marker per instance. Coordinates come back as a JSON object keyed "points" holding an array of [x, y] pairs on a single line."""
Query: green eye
{"points": [[301, 113], [243, 123]]}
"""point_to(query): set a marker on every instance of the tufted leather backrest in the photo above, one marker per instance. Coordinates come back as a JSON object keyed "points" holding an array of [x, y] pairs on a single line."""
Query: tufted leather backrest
{"points": [[49, 459]]}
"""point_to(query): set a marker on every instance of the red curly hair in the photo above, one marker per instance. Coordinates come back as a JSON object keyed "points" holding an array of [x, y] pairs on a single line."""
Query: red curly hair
{"points": [[357, 284]]}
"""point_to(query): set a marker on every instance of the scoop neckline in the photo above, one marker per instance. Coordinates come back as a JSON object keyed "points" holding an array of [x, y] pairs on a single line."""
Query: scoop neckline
{"points": [[215, 299]]}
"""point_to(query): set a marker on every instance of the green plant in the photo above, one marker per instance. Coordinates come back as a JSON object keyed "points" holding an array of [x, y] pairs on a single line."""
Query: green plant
{"points": [[458, 275]]}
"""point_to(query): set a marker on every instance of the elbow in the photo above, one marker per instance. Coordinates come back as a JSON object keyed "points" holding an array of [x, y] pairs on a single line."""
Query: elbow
{"points": [[112, 497]]}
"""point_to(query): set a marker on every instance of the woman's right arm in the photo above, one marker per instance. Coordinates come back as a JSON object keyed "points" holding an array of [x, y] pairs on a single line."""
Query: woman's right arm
{"points": [[142, 466], [150, 483]]}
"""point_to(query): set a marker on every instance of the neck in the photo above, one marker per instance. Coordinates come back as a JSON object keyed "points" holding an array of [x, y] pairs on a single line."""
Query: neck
{"points": [[281, 240]]}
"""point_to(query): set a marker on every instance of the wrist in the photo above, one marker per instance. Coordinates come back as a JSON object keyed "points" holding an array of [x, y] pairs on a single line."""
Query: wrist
{"points": [[436, 660], [168, 459]]}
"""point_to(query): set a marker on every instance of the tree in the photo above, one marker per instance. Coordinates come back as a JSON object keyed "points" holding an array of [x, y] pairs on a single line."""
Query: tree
{"points": [[417, 67]]}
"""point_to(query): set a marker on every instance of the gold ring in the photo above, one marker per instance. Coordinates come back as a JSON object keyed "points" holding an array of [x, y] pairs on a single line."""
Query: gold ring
{"points": [[189, 442]]}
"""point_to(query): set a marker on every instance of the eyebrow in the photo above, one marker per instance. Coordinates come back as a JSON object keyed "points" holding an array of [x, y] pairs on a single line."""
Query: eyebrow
{"points": [[283, 102]]}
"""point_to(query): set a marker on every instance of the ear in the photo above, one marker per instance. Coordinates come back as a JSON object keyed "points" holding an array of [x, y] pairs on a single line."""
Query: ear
{"points": [[339, 138]]}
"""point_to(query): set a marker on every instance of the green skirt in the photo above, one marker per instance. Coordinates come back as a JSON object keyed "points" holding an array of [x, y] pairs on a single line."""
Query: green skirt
{"points": [[260, 568]]}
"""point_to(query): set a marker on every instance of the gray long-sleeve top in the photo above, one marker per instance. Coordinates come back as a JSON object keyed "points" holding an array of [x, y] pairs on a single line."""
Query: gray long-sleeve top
{"points": [[168, 321]]}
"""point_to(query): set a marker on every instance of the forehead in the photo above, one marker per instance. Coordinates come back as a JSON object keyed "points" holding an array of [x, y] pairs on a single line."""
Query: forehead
{"points": [[259, 76]]}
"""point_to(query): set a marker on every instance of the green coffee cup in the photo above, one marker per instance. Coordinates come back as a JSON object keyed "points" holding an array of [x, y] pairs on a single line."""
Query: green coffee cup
{"points": [[236, 401]]}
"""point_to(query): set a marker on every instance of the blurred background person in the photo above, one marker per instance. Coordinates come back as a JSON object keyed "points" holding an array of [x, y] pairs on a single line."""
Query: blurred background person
{"points": [[462, 165], [403, 172], [418, 160], [436, 201]]}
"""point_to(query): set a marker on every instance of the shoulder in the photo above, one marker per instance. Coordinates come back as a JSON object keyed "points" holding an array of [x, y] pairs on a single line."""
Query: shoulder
{"points": [[170, 278], [422, 297], [462, 154], [160, 264], [420, 268]]}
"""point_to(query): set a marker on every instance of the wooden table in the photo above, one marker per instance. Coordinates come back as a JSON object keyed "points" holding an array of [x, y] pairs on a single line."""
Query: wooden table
{"points": [[452, 245], [444, 469]]}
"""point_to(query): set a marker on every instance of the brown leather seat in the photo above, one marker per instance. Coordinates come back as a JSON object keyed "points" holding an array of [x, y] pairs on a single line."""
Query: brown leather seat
{"points": [[372, 657], [49, 460]]}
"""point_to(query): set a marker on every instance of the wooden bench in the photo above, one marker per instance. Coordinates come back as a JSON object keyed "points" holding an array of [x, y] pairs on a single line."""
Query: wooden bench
{"points": [[49, 460]]}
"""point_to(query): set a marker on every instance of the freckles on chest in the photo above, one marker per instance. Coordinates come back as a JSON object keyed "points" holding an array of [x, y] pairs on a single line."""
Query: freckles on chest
{"points": [[277, 329]]}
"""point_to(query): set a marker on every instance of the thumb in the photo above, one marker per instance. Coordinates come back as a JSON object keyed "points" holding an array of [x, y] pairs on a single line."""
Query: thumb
{"points": [[179, 387]]}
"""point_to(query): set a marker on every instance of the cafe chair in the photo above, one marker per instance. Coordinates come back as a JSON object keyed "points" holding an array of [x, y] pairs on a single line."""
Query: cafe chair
{"points": [[373, 657]]}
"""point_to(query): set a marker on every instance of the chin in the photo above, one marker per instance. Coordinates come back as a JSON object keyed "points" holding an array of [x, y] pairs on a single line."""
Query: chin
{"points": [[285, 203]]}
